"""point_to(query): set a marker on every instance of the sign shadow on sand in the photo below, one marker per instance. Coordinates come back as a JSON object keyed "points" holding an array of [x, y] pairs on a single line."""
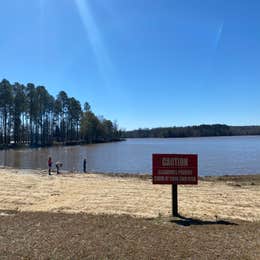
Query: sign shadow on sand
{"points": [[183, 221]]}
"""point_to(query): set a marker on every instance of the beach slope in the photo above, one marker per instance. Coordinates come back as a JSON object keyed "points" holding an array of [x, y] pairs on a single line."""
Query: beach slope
{"points": [[213, 198]]}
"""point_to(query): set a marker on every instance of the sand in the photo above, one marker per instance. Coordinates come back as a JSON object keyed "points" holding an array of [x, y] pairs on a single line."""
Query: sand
{"points": [[211, 199]]}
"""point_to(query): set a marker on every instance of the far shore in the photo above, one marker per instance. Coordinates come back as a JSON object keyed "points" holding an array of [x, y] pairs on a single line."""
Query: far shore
{"points": [[215, 197], [65, 143]]}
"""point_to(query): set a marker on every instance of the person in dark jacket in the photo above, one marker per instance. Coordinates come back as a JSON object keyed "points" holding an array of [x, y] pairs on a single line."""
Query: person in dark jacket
{"points": [[85, 165]]}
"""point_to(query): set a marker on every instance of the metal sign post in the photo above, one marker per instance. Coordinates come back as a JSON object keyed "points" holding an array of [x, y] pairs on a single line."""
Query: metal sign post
{"points": [[175, 200]]}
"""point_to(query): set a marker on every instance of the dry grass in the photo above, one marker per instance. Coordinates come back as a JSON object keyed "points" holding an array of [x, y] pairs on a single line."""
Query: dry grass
{"points": [[213, 198]]}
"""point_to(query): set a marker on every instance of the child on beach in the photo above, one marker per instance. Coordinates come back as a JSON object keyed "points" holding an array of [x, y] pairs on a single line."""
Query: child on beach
{"points": [[58, 165], [49, 165]]}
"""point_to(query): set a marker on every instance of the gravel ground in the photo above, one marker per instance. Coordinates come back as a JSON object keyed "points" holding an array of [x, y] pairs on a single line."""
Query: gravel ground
{"points": [[41, 235]]}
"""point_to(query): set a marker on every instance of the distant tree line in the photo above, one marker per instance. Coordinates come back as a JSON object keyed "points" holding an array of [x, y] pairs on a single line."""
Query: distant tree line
{"points": [[29, 115], [193, 131]]}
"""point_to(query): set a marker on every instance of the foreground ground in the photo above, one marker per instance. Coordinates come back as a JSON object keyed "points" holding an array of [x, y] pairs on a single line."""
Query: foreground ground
{"points": [[27, 235], [106, 217]]}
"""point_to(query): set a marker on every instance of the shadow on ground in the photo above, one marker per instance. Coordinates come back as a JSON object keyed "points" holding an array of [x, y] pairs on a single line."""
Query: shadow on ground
{"points": [[183, 221]]}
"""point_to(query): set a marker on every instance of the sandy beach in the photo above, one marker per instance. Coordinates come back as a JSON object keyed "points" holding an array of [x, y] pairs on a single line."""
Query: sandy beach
{"points": [[98, 216], [213, 198]]}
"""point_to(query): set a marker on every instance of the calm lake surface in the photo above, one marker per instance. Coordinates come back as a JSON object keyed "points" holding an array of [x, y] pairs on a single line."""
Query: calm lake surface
{"points": [[217, 155]]}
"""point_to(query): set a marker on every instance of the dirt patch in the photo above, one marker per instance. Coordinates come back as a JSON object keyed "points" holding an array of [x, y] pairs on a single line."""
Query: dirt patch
{"points": [[42, 235]]}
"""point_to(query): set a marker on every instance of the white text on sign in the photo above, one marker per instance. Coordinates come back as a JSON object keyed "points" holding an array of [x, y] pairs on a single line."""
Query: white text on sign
{"points": [[168, 161]]}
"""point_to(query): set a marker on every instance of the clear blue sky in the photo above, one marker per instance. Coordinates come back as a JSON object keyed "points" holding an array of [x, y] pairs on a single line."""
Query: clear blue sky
{"points": [[143, 63]]}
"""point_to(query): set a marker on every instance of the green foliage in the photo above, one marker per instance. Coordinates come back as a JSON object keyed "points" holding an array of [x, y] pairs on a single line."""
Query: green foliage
{"points": [[30, 115], [6, 109], [87, 107], [95, 130], [193, 131]]}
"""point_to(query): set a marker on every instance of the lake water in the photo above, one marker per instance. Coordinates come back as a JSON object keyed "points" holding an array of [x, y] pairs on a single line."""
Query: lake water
{"points": [[217, 155]]}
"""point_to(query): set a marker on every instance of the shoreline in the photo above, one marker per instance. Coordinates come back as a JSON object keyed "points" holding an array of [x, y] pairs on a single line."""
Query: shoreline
{"points": [[224, 177], [215, 197]]}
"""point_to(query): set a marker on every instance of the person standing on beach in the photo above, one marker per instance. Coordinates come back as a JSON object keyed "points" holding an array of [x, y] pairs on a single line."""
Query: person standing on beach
{"points": [[85, 165], [58, 165], [49, 165]]}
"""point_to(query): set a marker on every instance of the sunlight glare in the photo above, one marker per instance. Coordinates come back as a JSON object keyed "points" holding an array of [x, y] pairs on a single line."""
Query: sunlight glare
{"points": [[104, 63], [219, 34]]}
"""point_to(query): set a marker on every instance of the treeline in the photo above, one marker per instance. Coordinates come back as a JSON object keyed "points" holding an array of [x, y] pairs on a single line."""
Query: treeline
{"points": [[29, 115], [193, 131]]}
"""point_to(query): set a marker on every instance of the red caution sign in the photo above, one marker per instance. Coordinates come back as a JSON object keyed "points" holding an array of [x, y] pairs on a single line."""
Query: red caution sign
{"points": [[175, 169]]}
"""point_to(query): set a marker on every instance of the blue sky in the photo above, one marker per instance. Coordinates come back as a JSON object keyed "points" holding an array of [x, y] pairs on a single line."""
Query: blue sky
{"points": [[143, 63]]}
